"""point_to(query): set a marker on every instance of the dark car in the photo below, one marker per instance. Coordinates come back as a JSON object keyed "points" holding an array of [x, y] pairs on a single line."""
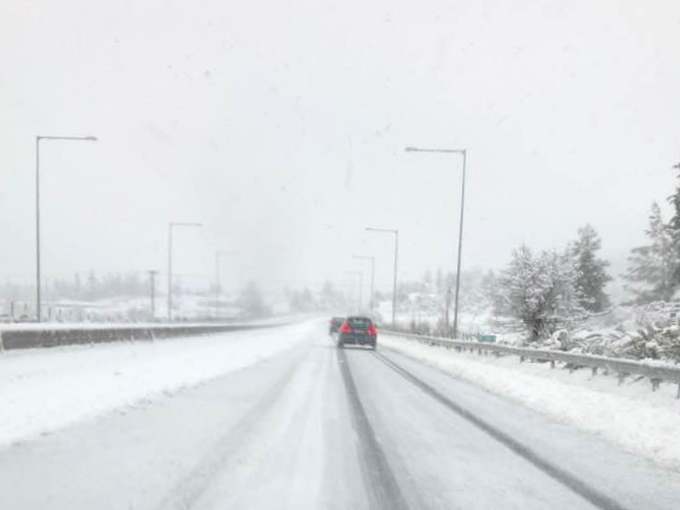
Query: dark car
{"points": [[358, 331], [334, 324]]}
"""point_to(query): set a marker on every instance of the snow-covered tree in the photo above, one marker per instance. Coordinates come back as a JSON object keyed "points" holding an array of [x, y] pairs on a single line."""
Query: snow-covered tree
{"points": [[591, 271], [330, 297], [302, 301], [252, 302], [439, 282], [539, 290], [92, 284], [651, 268], [489, 288], [427, 280]]}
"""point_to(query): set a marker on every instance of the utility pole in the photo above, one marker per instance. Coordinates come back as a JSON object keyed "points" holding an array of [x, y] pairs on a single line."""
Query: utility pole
{"points": [[152, 290]]}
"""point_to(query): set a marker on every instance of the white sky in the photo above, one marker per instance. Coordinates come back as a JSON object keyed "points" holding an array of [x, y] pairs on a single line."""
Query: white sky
{"points": [[248, 117]]}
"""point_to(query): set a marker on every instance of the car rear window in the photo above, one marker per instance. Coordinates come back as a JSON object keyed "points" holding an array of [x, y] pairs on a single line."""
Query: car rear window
{"points": [[359, 322]]}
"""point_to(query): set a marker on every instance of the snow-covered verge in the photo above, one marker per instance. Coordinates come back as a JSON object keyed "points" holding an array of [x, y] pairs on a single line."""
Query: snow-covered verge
{"points": [[637, 332], [42, 390], [641, 332], [631, 415]]}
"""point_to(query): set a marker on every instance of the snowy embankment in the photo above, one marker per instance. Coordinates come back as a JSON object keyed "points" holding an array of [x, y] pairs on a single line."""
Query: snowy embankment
{"points": [[630, 415], [42, 390]]}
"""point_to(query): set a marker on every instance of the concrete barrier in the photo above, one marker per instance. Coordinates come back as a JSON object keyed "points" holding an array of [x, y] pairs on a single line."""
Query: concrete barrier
{"points": [[42, 337]]}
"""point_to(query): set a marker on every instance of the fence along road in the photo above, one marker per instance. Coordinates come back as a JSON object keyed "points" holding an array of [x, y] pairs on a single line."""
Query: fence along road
{"points": [[622, 367]]}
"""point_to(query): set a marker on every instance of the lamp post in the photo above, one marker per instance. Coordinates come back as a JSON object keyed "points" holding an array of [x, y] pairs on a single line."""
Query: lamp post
{"points": [[172, 225], [463, 153], [396, 262], [38, 139], [372, 260]]}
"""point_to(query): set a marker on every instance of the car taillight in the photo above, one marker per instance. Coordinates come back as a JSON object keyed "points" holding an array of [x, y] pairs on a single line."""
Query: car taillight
{"points": [[345, 328], [372, 330]]}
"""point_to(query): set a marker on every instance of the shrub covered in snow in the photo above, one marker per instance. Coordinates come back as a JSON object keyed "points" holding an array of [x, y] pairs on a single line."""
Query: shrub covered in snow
{"points": [[640, 332], [540, 290]]}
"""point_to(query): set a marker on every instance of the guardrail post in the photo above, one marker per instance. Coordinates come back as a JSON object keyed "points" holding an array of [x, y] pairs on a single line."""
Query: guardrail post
{"points": [[621, 377], [655, 384], [552, 363], [594, 371]]}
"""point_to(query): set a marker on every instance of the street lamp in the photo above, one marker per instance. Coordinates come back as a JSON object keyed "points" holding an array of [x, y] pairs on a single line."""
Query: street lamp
{"points": [[38, 139], [372, 260], [396, 261], [462, 152], [218, 255], [172, 225]]}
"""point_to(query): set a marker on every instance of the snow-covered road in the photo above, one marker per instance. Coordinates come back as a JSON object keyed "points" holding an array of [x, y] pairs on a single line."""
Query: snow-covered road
{"points": [[299, 424]]}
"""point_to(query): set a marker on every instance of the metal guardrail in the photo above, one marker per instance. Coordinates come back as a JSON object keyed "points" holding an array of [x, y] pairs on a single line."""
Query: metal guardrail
{"points": [[32, 338], [622, 367]]}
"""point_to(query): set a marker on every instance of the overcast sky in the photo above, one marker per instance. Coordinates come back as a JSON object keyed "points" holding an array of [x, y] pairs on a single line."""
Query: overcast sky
{"points": [[281, 127]]}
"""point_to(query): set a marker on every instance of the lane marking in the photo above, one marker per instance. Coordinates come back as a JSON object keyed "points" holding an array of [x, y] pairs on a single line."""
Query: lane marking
{"points": [[562, 476], [382, 486]]}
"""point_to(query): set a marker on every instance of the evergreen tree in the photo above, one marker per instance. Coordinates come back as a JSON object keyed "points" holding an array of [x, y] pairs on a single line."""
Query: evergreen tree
{"points": [[302, 301], [92, 286], [674, 226], [651, 268], [591, 271], [252, 302], [330, 298]]}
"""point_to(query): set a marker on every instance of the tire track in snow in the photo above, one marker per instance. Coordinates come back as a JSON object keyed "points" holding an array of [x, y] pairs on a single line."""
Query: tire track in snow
{"points": [[186, 493], [382, 487], [570, 481]]}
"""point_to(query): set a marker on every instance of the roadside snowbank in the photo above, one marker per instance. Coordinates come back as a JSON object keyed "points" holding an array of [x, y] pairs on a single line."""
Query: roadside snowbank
{"points": [[630, 415], [45, 389]]}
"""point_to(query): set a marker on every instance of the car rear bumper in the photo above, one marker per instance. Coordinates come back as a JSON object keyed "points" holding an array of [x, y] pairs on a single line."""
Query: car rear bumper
{"points": [[357, 339]]}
